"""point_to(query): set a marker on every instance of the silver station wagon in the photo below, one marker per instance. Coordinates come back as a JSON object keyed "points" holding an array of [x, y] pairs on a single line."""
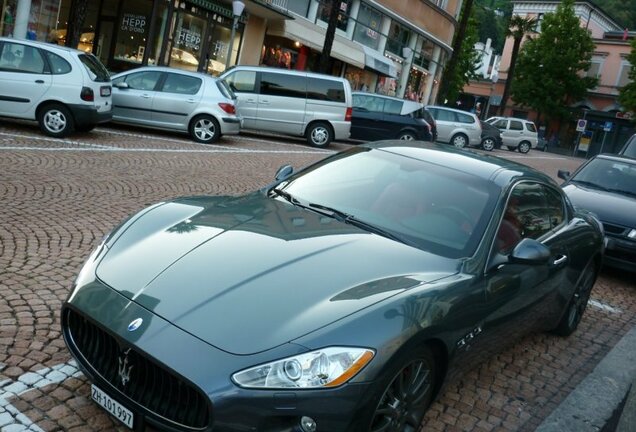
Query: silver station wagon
{"points": [[173, 99]]}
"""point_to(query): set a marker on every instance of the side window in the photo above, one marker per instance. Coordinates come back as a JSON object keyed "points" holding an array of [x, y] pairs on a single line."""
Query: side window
{"points": [[242, 81], [375, 104], [323, 89], [465, 118], [358, 101], [182, 84], [445, 115], [21, 58], [143, 80], [531, 127], [275, 84], [392, 106], [525, 216], [555, 207], [501, 124], [59, 66], [516, 125]]}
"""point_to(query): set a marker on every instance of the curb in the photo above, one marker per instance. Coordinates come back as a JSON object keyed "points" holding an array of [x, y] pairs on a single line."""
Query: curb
{"points": [[594, 400], [627, 421]]}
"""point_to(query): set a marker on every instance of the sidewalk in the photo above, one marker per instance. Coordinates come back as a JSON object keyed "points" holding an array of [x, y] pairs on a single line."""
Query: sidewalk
{"points": [[595, 401]]}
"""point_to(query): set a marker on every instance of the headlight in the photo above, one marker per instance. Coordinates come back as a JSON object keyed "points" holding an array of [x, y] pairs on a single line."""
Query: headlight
{"points": [[328, 367], [632, 234]]}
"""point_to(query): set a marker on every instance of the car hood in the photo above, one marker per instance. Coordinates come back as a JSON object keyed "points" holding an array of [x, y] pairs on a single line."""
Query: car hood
{"points": [[609, 207], [248, 274]]}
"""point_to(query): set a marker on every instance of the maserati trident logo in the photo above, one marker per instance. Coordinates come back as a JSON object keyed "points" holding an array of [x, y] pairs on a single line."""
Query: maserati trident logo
{"points": [[135, 324], [124, 368]]}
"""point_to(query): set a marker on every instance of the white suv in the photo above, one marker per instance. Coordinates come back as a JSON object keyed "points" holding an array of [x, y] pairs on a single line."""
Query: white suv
{"points": [[516, 133], [64, 89]]}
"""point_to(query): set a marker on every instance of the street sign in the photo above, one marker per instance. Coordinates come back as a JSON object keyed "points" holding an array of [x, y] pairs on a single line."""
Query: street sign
{"points": [[608, 126], [581, 124]]}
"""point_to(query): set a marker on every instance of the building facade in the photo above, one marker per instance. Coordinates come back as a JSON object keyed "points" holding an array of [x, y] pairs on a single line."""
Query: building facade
{"points": [[394, 47], [600, 107]]}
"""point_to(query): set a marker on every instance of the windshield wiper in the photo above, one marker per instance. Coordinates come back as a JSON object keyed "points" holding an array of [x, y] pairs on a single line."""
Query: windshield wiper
{"points": [[352, 220], [286, 195]]}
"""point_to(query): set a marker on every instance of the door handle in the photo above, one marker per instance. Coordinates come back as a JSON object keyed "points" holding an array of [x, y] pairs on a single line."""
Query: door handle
{"points": [[39, 81], [264, 102], [560, 260], [145, 96], [250, 101], [191, 101]]}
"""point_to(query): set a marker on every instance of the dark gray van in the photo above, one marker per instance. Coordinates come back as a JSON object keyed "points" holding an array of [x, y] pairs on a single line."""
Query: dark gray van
{"points": [[307, 104]]}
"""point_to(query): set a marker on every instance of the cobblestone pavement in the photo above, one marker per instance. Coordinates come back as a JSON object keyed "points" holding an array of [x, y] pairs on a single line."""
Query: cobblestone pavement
{"points": [[58, 198]]}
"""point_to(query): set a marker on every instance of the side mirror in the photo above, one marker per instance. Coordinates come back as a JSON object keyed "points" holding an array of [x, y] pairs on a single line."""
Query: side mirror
{"points": [[284, 172], [565, 175], [530, 251], [121, 85]]}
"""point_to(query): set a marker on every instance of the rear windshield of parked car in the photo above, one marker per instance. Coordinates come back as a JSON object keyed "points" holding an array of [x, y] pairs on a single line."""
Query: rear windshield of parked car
{"points": [[95, 68]]}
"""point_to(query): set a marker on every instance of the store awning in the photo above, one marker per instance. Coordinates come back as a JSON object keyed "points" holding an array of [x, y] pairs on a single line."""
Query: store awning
{"points": [[260, 8], [314, 37], [376, 61]]}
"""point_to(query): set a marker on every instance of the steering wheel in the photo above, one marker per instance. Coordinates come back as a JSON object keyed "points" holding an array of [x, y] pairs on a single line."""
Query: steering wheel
{"points": [[457, 215]]}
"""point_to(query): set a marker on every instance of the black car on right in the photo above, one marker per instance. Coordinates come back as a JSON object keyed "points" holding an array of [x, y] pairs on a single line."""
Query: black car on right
{"points": [[490, 136], [606, 186], [629, 149], [377, 117]]}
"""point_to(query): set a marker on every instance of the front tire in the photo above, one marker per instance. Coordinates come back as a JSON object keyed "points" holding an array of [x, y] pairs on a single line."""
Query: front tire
{"points": [[488, 144], [205, 129], [524, 147], [56, 120], [406, 394], [319, 135], [407, 136], [459, 140], [576, 307]]}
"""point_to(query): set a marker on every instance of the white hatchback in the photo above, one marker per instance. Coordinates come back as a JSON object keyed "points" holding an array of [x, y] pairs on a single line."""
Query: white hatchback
{"points": [[64, 89]]}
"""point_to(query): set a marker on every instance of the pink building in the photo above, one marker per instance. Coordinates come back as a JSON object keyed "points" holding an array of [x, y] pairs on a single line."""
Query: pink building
{"points": [[600, 107]]}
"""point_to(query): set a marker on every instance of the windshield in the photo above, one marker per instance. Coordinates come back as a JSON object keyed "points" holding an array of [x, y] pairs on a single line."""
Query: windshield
{"points": [[607, 174], [432, 207], [630, 148]]}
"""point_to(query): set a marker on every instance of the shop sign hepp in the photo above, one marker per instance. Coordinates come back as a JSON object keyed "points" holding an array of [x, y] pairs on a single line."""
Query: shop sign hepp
{"points": [[133, 23], [189, 39]]}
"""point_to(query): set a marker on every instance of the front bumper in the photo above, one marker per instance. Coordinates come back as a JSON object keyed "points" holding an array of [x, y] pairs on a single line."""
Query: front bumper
{"points": [[196, 365], [620, 253]]}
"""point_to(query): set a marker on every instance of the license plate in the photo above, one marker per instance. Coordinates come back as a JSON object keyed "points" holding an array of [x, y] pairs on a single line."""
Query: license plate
{"points": [[122, 414], [104, 91]]}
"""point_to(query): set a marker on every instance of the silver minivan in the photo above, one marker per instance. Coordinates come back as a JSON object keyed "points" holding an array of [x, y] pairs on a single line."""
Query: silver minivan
{"points": [[312, 105], [456, 127]]}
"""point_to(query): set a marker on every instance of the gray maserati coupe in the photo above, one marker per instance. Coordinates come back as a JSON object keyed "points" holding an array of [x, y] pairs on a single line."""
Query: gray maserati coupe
{"points": [[340, 297]]}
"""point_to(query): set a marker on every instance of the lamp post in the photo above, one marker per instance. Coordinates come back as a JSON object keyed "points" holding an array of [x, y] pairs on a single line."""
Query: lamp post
{"points": [[237, 11]]}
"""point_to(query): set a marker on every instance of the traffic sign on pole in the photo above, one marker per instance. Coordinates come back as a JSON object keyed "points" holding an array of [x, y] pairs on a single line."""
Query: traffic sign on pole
{"points": [[581, 124], [608, 126]]}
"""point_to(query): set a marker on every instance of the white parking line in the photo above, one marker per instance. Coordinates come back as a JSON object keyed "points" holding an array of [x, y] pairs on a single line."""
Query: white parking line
{"points": [[604, 307], [10, 415], [206, 148]]}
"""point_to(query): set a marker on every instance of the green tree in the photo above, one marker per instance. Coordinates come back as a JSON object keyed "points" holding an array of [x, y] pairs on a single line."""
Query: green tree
{"points": [[550, 74], [517, 29], [451, 70], [627, 95], [467, 61]]}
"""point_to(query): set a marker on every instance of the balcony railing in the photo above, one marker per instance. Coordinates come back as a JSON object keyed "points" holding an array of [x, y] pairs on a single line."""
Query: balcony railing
{"points": [[276, 4]]}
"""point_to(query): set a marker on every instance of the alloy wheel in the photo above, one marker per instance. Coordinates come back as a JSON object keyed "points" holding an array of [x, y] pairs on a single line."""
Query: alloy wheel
{"points": [[205, 129], [55, 121], [459, 141], [580, 299], [319, 136], [488, 144]]}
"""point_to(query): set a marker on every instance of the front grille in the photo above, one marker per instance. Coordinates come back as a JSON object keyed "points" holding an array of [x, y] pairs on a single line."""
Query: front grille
{"points": [[150, 385]]}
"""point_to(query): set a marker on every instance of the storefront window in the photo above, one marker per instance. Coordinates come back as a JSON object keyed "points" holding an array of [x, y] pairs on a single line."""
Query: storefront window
{"points": [[188, 36], [424, 55], [360, 79], [132, 31], [8, 17], [416, 85], [387, 86], [219, 46], [324, 10], [398, 38], [367, 30]]}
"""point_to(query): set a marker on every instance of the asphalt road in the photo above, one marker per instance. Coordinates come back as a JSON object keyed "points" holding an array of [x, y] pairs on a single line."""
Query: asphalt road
{"points": [[58, 198]]}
